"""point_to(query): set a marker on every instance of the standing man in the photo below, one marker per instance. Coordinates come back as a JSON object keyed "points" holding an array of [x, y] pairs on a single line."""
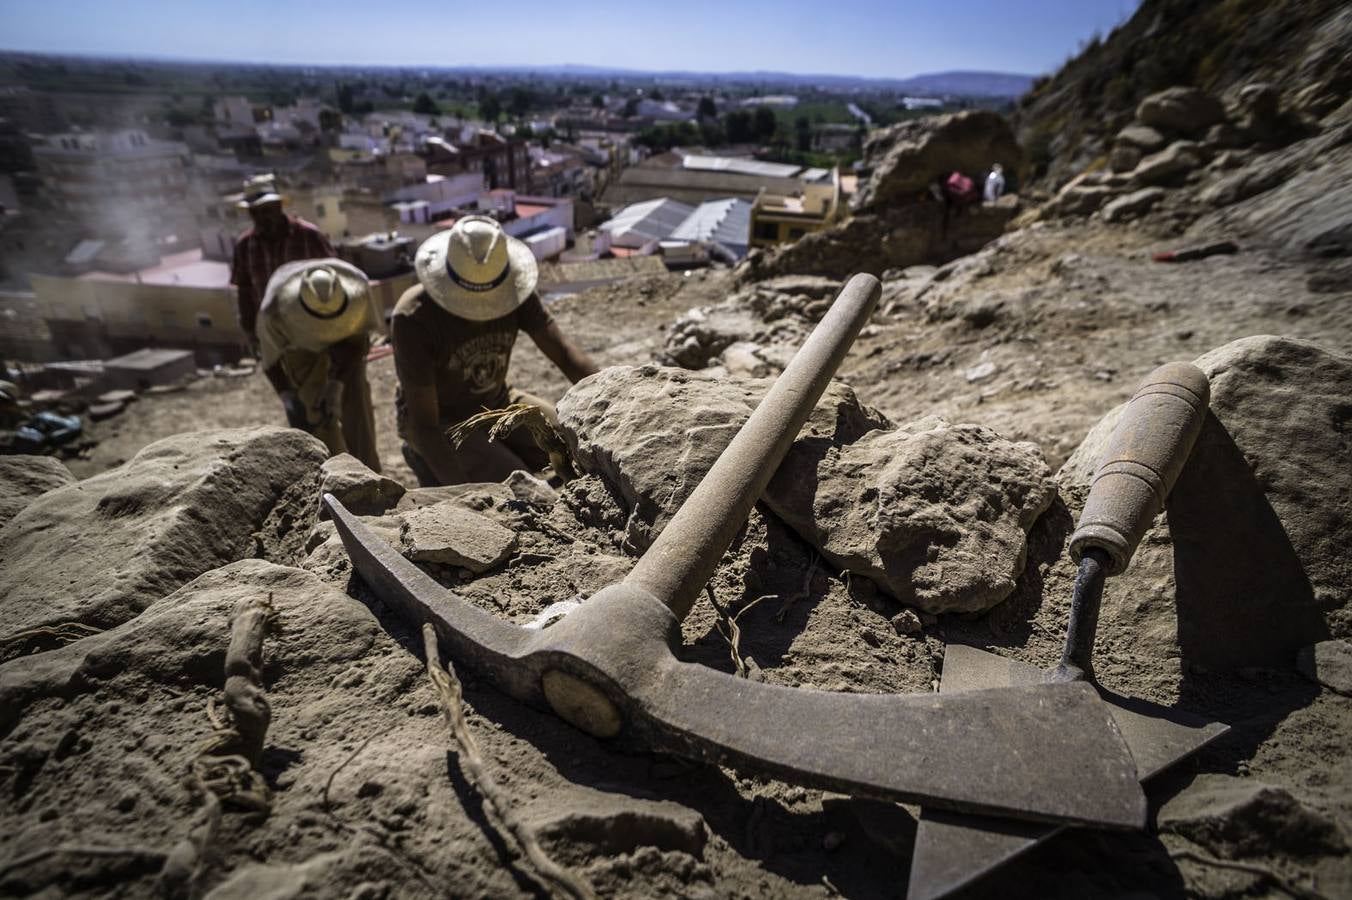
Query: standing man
{"points": [[453, 335], [275, 238], [314, 331]]}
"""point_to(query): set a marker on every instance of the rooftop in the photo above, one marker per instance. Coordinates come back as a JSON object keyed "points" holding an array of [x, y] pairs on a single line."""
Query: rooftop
{"points": [[740, 165], [187, 268]]}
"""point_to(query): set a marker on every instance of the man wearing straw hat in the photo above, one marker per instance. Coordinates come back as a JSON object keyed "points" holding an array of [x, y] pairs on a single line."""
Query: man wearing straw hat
{"points": [[275, 238], [313, 332], [453, 335]]}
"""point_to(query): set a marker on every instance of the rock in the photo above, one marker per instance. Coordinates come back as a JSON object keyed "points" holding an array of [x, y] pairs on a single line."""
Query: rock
{"points": [[616, 824], [742, 358], [529, 489], [1133, 204], [1124, 157], [1328, 663], [476, 495], [1259, 101], [451, 535], [1224, 136], [278, 881], [1182, 110], [1142, 137], [907, 157], [23, 478], [700, 335], [99, 411], [1080, 199], [118, 396], [363, 491], [980, 372], [652, 433], [1261, 503], [1243, 817], [1168, 166], [1259, 176], [101, 550], [936, 514], [906, 622]]}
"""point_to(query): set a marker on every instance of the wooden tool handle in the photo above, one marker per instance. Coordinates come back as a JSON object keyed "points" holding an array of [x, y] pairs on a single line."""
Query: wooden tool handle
{"points": [[1145, 454]]}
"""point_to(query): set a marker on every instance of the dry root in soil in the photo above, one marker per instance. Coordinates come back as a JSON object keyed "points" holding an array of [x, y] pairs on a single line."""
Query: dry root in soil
{"points": [[502, 422]]}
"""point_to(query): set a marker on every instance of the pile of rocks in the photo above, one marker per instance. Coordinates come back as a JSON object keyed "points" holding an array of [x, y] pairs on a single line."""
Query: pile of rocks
{"points": [[1176, 133]]}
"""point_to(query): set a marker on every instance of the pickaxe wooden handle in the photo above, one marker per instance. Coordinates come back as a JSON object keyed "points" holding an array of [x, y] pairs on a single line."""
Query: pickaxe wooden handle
{"points": [[610, 669]]}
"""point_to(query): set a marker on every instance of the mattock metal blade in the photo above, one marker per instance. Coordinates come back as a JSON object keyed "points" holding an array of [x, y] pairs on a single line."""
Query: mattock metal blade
{"points": [[1046, 752], [955, 850]]}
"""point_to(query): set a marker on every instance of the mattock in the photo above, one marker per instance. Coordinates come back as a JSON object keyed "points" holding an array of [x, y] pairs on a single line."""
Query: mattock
{"points": [[1145, 454], [1046, 752]]}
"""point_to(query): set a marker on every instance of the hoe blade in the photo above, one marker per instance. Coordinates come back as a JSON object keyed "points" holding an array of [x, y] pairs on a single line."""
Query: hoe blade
{"points": [[953, 850]]}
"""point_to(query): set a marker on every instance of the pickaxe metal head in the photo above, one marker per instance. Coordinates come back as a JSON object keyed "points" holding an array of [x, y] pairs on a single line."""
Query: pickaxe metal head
{"points": [[609, 666]]}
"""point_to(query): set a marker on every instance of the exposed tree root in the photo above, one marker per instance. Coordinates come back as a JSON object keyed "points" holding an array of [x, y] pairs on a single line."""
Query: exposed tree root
{"points": [[560, 881], [502, 422]]}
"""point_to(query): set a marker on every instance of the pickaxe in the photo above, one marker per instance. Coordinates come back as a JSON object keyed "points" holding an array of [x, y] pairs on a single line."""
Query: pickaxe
{"points": [[1145, 454], [1046, 752]]}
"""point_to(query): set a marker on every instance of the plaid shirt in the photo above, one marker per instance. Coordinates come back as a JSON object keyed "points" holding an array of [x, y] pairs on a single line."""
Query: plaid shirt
{"points": [[257, 256]]}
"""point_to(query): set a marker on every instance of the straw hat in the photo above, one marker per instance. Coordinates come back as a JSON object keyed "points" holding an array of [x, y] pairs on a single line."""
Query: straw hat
{"points": [[258, 190], [475, 270], [319, 301]]}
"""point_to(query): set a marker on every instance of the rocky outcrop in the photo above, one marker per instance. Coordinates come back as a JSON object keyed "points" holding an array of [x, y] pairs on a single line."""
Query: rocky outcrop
{"points": [[1133, 204], [936, 514], [101, 550], [1180, 110], [895, 222], [23, 478], [652, 433]]}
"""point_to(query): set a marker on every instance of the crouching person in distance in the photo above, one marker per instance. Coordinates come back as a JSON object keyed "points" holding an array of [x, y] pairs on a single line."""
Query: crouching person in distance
{"points": [[314, 331], [453, 335]]}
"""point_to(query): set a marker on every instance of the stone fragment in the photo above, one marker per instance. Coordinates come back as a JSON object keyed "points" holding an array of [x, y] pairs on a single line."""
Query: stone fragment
{"points": [[451, 535], [652, 433], [1142, 137], [1168, 166], [936, 514], [1328, 663], [980, 371], [1244, 817], [1124, 157], [363, 491], [1182, 110], [615, 823], [99, 551], [906, 622], [22, 478], [1133, 204], [1080, 199], [529, 489]]}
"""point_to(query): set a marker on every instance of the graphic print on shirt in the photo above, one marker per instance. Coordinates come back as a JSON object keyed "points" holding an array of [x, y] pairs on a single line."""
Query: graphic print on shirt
{"points": [[483, 361]]}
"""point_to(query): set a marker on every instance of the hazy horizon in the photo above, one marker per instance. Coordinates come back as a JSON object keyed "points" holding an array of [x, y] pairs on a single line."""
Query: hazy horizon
{"points": [[904, 39]]}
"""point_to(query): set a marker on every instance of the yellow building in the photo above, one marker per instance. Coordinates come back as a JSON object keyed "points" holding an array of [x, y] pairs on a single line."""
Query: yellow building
{"points": [[783, 218]]}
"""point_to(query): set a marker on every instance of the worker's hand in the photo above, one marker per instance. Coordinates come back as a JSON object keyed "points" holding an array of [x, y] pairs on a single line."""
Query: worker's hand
{"points": [[295, 410], [331, 401]]}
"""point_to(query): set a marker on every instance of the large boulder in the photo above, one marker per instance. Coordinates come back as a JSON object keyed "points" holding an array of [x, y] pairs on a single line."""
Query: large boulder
{"points": [[101, 550], [1181, 110], [24, 477], [652, 432], [1142, 137], [907, 157], [1169, 166], [1255, 547], [936, 514]]}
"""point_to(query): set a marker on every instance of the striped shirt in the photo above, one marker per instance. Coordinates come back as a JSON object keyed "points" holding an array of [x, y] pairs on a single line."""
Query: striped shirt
{"points": [[257, 256]]}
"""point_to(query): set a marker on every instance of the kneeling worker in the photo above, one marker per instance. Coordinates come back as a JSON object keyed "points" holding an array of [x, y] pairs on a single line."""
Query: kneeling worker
{"points": [[314, 332], [453, 335]]}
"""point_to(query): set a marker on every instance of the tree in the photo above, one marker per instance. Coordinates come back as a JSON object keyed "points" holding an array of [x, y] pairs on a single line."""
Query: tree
{"points": [[345, 103], [424, 105], [330, 120], [656, 94], [764, 123], [802, 132], [706, 109], [739, 127], [598, 102], [520, 102], [490, 107], [631, 107]]}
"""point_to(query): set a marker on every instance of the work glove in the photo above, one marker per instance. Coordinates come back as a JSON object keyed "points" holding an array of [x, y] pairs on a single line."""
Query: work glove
{"points": [[331, 401], [295, 410]]}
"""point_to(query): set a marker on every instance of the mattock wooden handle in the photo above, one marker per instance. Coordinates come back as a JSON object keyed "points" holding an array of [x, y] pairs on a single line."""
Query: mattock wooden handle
{"points": [[1145, 454]]}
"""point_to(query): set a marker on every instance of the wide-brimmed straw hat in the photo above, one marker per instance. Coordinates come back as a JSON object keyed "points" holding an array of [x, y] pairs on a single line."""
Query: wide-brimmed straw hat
{"points": [[476, 270], [258, 190], [321, 301]]}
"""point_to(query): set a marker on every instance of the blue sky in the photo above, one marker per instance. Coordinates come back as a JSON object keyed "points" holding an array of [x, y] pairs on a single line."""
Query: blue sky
{"points": [[847, 37]]}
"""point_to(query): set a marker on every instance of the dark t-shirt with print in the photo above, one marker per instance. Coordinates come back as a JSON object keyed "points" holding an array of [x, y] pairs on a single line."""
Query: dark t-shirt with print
{"points": [[466, 361]]}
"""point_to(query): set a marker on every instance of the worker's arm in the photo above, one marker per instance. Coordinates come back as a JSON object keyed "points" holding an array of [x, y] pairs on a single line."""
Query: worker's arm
{"points": [[246, 301], [424, 431], [571, 359]]}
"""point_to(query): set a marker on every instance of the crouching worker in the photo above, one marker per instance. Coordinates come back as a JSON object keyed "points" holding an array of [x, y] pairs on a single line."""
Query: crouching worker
{"points": [[313, 333], [453, 335]]}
